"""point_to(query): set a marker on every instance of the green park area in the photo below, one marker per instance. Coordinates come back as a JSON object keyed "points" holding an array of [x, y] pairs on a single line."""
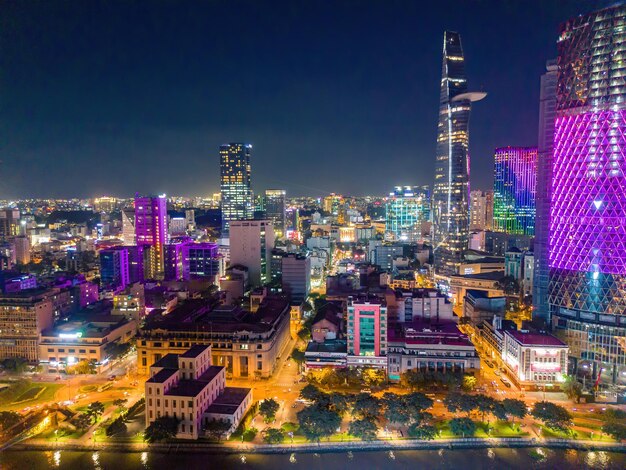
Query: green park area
{"points": [[24, 393]]}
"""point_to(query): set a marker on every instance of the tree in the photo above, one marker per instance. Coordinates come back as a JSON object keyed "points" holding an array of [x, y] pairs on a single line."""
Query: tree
{"points": [[424, 432], [395, 409], [455, 401], [8, 419], [373, 377], [217, 428], [82, 367], [364, 428], [310, 392], [298, 356], [615, 430], [366, 406], [339, 403], [95, 410], [317, 422], [82, 421], [614, 414], [484, 404], [417, 402], [554, 416], [116, 427], [273, 436], [120, 402], [499, 411], [469, 382], [268, 409], [165, 427], [462, 427], [514, 408], [572, 388]]}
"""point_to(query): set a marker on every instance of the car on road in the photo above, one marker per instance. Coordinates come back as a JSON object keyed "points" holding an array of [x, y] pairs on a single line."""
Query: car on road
{"points": [[505, 382], [497, 372], [489, 363], [366, 390]]}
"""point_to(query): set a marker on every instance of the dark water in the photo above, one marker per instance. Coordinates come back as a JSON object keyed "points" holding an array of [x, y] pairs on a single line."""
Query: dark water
{"points": [[499, 459]]}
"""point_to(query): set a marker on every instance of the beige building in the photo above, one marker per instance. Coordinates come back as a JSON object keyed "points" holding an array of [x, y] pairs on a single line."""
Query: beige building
{"points": [[88, 340], [247, 344], [23, 316], [189, 388], [251, 243]]}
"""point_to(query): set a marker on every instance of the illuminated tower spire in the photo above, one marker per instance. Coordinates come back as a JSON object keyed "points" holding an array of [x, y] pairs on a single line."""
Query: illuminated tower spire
{"points": [[451, 189]]}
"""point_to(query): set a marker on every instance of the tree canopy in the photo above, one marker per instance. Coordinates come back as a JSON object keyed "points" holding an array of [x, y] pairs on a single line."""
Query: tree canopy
{"points": [[317, 422], [554, 416], [268, 409], [165, 427], [462, 427], [364, 428]]}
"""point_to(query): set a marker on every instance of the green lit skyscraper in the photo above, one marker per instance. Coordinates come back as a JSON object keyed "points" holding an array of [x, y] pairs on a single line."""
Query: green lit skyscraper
{"points": [[236, 189]]}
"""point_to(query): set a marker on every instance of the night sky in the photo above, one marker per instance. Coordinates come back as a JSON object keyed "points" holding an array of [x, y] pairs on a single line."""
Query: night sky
{"points": [[119, 97]]}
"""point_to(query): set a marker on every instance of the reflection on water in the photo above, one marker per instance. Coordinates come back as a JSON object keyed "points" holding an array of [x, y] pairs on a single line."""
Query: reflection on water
{"points": [[496, 459]]}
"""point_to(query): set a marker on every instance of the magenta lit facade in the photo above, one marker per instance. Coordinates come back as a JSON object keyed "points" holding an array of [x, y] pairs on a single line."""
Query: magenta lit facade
{"points": [[151, 230], [587, 249]]}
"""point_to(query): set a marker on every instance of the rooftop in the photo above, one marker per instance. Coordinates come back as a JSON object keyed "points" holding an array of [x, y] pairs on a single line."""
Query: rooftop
{"points": [[192, 388], [526, 338], [229, 400], [424, 332], [491, 276], [194, 351], [162, 375], [328, 346]]}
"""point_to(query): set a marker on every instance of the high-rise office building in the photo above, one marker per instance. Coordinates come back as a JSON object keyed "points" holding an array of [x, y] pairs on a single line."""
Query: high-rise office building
{"points": [[451, 189], [21, 249], [114, 268], [588, 208], [407, 208], [547, 111], [251, 243], [151, 230], [236, 189], [9, 223], [481, 210], [296, 275], [274, 207], [514, 188], [128, 227]]}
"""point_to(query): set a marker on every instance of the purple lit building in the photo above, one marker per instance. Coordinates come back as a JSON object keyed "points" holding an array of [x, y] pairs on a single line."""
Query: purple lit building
{"points": [[587, 259], [188, 260], [151, 230], [114, 268]]}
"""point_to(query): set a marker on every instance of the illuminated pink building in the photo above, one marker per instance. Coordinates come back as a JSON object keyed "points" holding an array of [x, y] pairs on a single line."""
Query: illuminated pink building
{"points": [[151, 230]]}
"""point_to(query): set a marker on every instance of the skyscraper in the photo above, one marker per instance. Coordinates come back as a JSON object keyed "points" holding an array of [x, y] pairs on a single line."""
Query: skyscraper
{"points": [[407, 209], [236, 189], [128, 227], [587, 258], [451, 189], [251, 243], [547, 110], [481, 210], [275, 209], [151, 230], [514, 188]]}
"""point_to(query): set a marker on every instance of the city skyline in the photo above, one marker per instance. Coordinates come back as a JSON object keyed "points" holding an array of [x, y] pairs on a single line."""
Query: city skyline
{"points": [[339, 116]]}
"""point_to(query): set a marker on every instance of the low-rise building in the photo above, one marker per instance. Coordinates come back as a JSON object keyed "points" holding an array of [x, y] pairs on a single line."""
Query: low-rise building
{"points": [[189, 388], [429, 346], [478, 306], [536, 360], [330, 353], [91, 339], [247, 344]]}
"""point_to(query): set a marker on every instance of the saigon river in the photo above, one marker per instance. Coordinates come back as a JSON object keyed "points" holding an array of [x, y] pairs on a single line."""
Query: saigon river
{"points": [[466, 459]]}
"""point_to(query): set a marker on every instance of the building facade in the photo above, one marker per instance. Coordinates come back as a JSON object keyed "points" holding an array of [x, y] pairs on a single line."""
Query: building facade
{"points": [[23, 316], [587, 218], [235, 184], [451, 189], [251, 244], [296, 276], [514, 189], [547, 111], [481, 210], [151, 231], [275, 205], [367, 332], [407, 209]]}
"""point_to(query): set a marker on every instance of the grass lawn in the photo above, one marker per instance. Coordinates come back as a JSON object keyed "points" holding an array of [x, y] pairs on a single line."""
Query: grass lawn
{"points": [[24, 393]]}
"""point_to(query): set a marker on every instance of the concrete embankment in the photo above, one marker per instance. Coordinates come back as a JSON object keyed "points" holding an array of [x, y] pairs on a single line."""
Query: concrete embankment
{"points": [[355, 446]]}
